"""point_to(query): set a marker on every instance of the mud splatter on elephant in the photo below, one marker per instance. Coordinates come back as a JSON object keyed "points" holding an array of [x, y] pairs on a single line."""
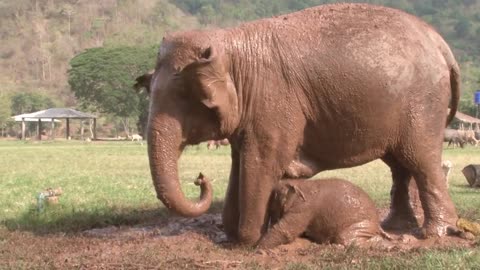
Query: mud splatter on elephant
{"points": [[328, 87], [325, 211]]}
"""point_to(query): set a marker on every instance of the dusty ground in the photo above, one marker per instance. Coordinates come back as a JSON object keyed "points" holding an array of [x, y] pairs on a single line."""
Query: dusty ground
{"points": [[175, 243]]}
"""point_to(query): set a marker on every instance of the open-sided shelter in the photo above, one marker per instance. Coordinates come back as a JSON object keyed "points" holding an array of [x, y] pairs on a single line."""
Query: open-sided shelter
{"points": [[52, 115], [466, 118]]}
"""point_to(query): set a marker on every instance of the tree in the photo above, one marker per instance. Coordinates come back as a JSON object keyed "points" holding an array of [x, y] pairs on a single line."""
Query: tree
{"points": [[102, 79], [5, 113], [68, 10], [30, 102], [463, 27]]}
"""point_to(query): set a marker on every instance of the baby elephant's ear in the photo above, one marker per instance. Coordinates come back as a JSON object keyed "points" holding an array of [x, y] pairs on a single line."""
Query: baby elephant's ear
{"points": [[298, 191], [293, 194]]}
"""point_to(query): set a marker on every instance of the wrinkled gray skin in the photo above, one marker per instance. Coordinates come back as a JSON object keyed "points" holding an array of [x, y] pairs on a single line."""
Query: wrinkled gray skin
{"points": [[329, 87], [325, 211]]}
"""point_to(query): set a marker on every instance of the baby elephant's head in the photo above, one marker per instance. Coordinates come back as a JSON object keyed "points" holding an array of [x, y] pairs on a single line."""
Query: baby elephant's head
{"points": [[283, 197]]}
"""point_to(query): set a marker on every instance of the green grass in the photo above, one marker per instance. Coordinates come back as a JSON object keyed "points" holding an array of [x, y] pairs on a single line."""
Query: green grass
{"points": [[108, 183], [112, 180], [431, 259], [103, 183]]}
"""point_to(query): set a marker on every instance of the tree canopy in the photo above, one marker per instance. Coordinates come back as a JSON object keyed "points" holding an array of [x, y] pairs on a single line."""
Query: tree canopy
{"points": [[102, 79], [30, 102]]}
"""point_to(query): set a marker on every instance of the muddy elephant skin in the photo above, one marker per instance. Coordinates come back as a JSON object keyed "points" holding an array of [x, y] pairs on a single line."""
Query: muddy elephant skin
{"points": [[325, 211], [328, 87]]}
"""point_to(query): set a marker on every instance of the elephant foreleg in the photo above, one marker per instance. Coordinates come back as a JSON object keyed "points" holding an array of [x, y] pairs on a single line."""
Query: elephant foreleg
{"points": [[231, 210], [260, 169], [254, 195]]}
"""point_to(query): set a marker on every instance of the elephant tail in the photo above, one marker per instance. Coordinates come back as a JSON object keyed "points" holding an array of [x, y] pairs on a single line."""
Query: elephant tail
{"points": [[455, 88]]}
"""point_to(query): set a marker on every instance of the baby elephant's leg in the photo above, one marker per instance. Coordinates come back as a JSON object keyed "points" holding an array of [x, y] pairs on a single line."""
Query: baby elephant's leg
{"points": [[290, 226], [358, 233]]}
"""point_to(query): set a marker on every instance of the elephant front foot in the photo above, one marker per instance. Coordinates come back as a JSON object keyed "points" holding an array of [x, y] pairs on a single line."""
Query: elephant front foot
{"points": [[438, 228], [242, 238], [231, 230], [248, 238], [231, 237], [400, 221]]}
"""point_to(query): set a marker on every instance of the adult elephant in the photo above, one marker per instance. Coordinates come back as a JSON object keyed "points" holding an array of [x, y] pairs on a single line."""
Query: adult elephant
{"points": [[328, 87]]}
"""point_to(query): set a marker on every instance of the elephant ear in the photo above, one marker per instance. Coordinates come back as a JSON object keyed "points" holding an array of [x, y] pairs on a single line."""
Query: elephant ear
{"points": [[293, 194], [143, 82], [209, 82]]}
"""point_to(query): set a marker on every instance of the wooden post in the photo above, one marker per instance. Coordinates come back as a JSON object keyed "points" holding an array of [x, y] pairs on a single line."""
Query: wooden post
{"points": [[52, 130], [39, 129], [68, 128], [23, 128], [81, 128], [94, 128]]}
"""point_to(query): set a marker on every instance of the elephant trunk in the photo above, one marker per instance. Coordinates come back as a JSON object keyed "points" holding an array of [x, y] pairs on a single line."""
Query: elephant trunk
{"points": [[164, 149]]}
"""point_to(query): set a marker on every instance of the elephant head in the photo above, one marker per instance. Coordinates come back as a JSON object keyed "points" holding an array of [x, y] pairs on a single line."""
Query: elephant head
{"points": [[192, 99], [283, 197]]}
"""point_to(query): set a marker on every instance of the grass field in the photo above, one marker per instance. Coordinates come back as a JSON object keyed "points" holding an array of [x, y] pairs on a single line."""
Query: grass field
{"points": [[108, 183]]}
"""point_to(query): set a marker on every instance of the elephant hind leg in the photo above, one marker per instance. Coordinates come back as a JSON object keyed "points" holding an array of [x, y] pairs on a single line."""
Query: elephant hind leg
{"points": [[439, 210], [424, 164], [402, 215], [359, 233]]}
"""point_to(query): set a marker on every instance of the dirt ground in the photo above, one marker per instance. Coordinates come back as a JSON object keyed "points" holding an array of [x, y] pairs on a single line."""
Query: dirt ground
{"points": [[174, 243]]}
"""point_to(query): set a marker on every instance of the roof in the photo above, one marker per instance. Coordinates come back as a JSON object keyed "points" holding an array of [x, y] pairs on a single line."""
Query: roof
{"points": [[466, 118], [26, 117], [59, 113]]}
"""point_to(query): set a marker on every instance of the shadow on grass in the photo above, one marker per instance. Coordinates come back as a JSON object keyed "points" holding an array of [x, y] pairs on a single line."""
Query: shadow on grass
{"points": [[57, 220]]}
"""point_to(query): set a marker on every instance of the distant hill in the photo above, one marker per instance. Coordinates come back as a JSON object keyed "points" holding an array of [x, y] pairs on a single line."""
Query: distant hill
{"points": [[39, 37]]}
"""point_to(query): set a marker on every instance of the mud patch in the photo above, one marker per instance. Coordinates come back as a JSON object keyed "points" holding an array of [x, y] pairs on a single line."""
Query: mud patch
{"points": [[208, 225], [182, 243]]}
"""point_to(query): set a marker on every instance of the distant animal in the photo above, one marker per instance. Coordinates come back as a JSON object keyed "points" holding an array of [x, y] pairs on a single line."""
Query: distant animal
{"points": [[469, 136], [447, 166], [477, 135], [454, 137], [136, 137], [325, 211], [216, 143], [457, 142]]}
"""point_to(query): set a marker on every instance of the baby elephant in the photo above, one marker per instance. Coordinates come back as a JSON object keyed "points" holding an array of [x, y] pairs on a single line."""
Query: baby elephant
{"points": [[325, 211]]}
